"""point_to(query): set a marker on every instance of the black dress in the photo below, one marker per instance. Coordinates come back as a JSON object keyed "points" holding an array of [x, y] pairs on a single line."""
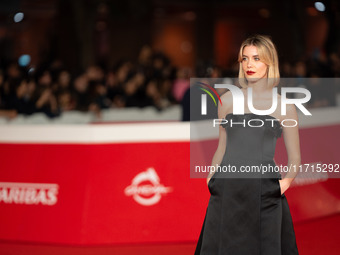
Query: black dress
{"points": [[248, 216]]}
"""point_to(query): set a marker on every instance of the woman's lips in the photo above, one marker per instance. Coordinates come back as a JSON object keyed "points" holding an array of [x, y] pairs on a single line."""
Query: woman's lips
{"points": [[250, 72]]}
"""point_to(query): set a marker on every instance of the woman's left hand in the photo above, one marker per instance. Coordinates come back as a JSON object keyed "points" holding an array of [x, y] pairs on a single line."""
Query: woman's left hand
{"points": [[284, 185]]}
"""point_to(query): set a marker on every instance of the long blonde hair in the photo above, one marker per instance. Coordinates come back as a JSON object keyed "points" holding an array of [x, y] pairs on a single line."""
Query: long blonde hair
{"points": [[268, 55]]}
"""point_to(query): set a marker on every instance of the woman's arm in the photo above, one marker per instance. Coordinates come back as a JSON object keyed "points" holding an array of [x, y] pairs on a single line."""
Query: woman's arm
{"points": [[222, 140], [218, 156], [292, 143]]}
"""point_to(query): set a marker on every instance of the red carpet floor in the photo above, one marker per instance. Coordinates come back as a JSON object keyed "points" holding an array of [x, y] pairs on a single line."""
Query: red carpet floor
{"points": [[317, 237]]}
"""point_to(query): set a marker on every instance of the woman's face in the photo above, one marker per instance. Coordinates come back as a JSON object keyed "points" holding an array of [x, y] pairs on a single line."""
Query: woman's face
{"points": [[254, 69]]}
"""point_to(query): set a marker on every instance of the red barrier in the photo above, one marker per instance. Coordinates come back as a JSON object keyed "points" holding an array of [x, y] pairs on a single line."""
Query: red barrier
{"points": [[134, 192]]}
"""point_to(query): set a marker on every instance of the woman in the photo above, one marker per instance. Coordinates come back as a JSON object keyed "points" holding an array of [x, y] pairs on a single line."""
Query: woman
{"points": [[250, 216]]}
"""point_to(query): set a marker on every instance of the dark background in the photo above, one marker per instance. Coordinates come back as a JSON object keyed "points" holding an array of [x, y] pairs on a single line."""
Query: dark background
{"points": [[80, 33], [90, 55]]}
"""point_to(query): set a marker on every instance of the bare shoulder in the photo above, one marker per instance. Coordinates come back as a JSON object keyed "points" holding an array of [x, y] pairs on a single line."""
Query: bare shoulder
{"points": [[291, 110], [227, 95], [227, 104], [279, 99], [227, 99]]}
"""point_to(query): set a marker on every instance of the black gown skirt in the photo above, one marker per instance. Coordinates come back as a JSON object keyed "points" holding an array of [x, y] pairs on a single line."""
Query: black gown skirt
{"points": [[246, 214]]}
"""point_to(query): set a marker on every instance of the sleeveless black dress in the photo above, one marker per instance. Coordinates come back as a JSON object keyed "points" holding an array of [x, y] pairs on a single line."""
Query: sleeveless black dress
{"points": [[248, 216]]}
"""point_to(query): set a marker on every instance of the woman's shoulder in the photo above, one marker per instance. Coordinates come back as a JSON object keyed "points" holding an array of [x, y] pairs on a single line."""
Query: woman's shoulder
{"points": [[227, 104], [226, 95], [226, 98]]}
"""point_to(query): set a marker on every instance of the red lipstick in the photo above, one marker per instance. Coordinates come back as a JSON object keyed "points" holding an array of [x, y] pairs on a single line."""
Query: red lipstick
{"points": [[250, 72]]}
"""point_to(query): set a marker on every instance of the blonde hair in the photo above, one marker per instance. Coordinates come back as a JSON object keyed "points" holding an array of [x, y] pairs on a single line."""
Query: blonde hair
{"points": [[268, 55]]}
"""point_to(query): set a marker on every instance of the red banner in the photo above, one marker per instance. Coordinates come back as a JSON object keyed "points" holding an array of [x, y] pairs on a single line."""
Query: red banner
{"points": [[129, 192]]}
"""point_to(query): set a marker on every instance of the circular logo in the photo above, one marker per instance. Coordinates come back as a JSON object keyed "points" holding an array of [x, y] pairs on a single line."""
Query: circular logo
{"points": [[146, 188]]}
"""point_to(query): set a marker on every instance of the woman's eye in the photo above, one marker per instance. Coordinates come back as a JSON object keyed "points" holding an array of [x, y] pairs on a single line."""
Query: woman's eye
{"points": [[257, 59], [244, 59]]}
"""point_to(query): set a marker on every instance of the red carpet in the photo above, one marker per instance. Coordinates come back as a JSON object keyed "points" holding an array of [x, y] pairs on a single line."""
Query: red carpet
{"points": [[317, 237]]}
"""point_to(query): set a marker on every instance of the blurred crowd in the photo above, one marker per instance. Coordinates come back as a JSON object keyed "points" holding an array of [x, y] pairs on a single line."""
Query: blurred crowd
{"points": [[151, 80]]}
